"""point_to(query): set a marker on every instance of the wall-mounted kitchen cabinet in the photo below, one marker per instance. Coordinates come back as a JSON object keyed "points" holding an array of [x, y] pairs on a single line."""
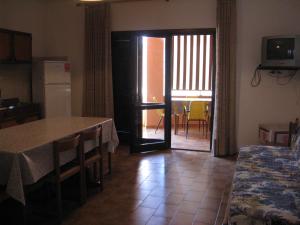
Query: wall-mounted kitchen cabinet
{"points": [[15, 47], [5, 46]]}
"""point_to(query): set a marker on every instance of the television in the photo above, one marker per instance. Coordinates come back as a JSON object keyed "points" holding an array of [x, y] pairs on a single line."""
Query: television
{"points": [[281, 51]]}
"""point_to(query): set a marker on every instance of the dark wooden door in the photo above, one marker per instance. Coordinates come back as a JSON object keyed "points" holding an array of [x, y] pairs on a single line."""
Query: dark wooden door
{"points": [[147, 104], [122, 85]]}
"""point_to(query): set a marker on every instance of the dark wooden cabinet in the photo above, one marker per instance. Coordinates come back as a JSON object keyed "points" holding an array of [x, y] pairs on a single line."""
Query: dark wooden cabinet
{"points": [[5, 46], [22, 47], [15, 47], [13, 112]]}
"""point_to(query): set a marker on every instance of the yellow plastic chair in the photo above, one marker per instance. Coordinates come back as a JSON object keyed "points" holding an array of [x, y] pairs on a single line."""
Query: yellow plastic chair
{"points": [[198, 112]]}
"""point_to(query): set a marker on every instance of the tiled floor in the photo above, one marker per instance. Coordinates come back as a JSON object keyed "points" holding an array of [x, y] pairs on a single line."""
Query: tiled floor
{"points": [[196, 140], [169, 187]]}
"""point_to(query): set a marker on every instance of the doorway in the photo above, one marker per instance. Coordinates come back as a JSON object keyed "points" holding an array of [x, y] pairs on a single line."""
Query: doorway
{"points": [[192, 90], [152, 96], [172, 88]]}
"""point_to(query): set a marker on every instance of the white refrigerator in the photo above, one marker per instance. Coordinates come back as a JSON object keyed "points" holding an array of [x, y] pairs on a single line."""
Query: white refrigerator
{"points": [[51, 87]]}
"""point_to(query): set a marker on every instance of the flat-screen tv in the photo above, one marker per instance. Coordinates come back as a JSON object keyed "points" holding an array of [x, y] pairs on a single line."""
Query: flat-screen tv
{"points": [[281, 51]]}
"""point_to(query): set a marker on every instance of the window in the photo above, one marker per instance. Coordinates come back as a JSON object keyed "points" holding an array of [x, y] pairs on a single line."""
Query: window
{"points": [[192, 65]]}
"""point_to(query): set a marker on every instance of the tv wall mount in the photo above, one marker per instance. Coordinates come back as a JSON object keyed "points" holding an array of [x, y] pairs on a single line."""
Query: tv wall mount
{"points": [[283, 75]]}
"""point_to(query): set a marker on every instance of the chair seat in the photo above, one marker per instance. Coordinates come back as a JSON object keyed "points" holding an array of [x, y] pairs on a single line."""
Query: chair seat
{"points": [[92, 157], [66, 171]]}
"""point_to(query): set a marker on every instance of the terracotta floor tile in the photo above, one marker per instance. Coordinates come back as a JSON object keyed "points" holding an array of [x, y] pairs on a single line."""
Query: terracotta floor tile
{"points": [[141, 214], [206, 216], [152, 202], [210, 203], [200, 223], [160, 192], [166, 210], [182, 219], [165, 187], [194, 196], [189, 207], [174, 198], [148, 185], [154, 220]]}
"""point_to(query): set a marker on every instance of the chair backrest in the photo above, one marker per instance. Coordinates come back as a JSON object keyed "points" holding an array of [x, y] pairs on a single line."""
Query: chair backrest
{"points": [[92, 134], [64, 145], [177, 107], [293, 131], [67, 144], [197, 111]]}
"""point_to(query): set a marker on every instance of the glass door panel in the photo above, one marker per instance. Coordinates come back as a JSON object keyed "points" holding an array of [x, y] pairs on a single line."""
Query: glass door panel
{"points": [[152, 111]]}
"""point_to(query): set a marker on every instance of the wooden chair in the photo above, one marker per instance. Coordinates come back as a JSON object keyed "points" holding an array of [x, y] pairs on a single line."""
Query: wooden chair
{"points": [[198, 113], [293, 130], [68, 170], [186, 110], [94, 156], [177, 111]]}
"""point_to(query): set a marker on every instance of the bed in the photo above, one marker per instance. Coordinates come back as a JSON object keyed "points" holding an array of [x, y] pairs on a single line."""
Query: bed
{"points": [[266, 187]]}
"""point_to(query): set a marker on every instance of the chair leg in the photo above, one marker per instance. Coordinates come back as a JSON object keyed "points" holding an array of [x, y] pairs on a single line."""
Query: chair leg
{"points": [[176, 118], [21, 214], [109, 163], [199, 125], [187, 129], [59, 202], [101, 173], [83, 188], [160, 119]]}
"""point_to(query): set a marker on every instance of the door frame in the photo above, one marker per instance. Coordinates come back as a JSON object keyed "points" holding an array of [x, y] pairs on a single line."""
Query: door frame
{"points": [[139, 144], [168, 33]]}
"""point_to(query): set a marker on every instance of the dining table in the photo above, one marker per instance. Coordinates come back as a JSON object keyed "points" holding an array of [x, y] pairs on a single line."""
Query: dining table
{"points": [[26, 150]]}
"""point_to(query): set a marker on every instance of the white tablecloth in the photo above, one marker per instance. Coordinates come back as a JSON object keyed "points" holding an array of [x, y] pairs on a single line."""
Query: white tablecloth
{"points": [[19, 168]]}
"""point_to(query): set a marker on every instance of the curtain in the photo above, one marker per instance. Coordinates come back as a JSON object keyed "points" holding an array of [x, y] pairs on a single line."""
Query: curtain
{"points": [[224, 137], [97, 90]]}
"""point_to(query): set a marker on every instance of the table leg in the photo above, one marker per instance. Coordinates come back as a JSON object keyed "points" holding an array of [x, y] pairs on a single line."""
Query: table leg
{"points": [[109, 163], [20, 211]]}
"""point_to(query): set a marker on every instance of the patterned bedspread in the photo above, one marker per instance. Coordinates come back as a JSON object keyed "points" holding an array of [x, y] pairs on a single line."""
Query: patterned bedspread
{"points": [[266, 187]]}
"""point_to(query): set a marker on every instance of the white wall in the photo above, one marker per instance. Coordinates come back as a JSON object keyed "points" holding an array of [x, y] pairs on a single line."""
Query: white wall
{"points": [[175, 14], [269, 102], [65, 28], [26, 16], [58, 30], [65, 37]]}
